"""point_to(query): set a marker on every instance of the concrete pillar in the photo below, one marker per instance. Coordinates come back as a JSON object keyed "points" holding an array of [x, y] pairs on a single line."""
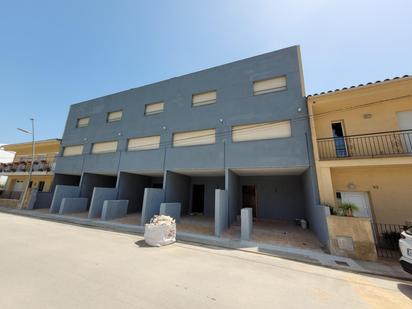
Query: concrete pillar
{"points": [[73, 204], [151, 204], [114, 209], [327, 195], [171, 209], [177, 189], [60, 192], [221, 212], [98, 197], [232, 186], [246, 223]]}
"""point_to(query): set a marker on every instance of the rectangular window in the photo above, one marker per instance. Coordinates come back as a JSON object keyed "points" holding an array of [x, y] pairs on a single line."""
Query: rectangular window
{"points": [[143, 143], [154, 108], [114, 116], [269, 85], [104, 147], [204, 98], [260, 131], [72, 150], [83, 122], [201, 137]]}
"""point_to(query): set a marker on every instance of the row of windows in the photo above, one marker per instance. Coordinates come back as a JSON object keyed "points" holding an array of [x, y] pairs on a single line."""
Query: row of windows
{"points": [[240, 133], [199, 99]]}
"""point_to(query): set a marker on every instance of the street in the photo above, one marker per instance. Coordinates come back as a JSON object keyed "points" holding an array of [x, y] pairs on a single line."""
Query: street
{"points": [[53, 265]]}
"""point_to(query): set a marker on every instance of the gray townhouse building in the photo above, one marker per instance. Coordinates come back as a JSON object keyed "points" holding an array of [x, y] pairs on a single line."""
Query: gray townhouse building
{"points": [[240, 128]]}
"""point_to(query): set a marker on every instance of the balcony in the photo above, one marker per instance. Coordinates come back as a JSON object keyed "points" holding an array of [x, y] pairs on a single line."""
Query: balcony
{"points": [[374, 145], [42, 164]]}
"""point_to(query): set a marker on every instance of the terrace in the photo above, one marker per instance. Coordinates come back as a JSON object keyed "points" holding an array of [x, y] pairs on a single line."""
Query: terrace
{"points": [[42, 164], [373, 145]]}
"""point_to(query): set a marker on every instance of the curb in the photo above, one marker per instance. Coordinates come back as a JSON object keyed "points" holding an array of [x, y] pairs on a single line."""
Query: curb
{"points": [[204, 240]]}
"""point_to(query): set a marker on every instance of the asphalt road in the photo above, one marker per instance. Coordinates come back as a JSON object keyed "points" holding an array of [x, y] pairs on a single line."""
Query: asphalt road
{"points": [[53, 265]]}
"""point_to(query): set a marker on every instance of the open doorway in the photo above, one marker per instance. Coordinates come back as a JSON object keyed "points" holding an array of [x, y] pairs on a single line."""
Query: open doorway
{"points": [[339, 138], [249, 198], [198, 199]]}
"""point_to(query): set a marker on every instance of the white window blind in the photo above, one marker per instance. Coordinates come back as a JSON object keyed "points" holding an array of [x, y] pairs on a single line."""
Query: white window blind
{"points": [[259, 131], [269, 85], [154, 108], [83, 122], [204, 98], [114, 116], [104, 147], [201, 137], [143, 143], [72, 150]]}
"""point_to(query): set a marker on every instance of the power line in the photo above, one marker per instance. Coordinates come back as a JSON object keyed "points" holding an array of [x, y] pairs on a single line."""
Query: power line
{"points": [[260, 125]]}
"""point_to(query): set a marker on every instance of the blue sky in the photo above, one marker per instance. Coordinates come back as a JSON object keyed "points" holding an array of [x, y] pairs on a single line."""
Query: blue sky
{"points": [[55, 53]]}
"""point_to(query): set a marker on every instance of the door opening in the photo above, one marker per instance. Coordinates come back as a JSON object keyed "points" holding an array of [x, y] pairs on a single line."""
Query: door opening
{"points": [[361, 200], [198, 198], [339, 138], [41, 186], [249, 198]]}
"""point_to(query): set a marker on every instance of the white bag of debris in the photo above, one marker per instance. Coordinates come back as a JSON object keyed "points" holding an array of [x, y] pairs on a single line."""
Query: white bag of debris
{"points": [[160, 231]]}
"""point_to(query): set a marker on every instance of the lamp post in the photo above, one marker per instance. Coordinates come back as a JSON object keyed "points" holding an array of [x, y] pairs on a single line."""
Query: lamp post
{"points": [[32, 159]]}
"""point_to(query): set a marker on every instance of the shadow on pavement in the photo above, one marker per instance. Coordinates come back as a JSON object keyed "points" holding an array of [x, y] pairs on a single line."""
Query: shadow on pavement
{"points": [[405, 289], [142, 244]]}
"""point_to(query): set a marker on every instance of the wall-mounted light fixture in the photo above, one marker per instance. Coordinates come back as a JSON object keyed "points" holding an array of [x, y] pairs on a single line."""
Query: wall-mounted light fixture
{"points": [[351, 186]]}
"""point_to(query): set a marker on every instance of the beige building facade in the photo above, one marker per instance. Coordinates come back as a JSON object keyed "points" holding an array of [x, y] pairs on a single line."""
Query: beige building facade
{"points": [[362, 139], [17, 172]]}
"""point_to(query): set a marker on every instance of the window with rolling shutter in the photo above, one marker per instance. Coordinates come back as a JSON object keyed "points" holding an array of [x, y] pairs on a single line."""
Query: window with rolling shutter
{"points": [[83, 122], [201, 137], [143, 143], [204, 98], [75, 150], [269, 85], [104, 147], [154, 108], [114, 116], [261, 131]]}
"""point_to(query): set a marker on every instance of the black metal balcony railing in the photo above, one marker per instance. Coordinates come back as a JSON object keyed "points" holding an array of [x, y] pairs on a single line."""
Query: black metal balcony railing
{"points": [[393, 143]]}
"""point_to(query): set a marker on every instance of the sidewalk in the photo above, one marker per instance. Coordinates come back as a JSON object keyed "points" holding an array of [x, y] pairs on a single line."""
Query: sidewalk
{"points": [[387, 268]]}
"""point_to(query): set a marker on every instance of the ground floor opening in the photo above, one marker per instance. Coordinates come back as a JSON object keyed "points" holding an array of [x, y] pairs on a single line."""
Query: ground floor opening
{"points": [[195, 191], [281, 201], [131, 187]]}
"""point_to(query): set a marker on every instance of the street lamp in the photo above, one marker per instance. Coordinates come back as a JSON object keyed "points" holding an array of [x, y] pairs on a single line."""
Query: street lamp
{"points": [[32, 159]]}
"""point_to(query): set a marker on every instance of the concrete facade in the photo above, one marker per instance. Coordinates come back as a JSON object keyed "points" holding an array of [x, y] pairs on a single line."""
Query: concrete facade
{"points": [[274, 166], [151, 204], [73, 204], [171, 209], [114, 209], [100, 195], [61, 192]]}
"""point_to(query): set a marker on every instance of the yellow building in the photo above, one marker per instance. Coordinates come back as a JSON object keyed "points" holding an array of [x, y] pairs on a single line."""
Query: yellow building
{"points": [[362, 139], [17, 172]]}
